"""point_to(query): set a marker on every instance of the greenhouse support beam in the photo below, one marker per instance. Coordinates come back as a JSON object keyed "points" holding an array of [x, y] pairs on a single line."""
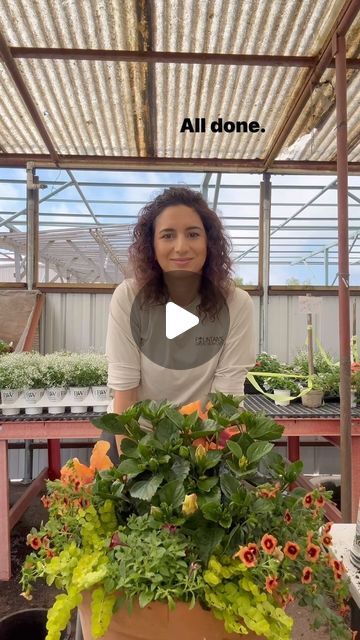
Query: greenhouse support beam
{"points": [[264, 258], [339, 50], [326, 266], [32, 226]]}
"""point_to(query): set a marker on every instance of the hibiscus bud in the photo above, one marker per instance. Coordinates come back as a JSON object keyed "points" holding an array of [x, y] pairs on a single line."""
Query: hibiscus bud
{"points": [[243, 462], [200, 452], [190, 504]]}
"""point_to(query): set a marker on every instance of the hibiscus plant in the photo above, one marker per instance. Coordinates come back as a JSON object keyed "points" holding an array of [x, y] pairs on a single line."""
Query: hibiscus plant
{"points": [[199, 510]]}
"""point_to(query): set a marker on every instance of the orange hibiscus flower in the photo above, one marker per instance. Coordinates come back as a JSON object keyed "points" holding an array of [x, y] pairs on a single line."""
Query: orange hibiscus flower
{"points": [[188, 409], [76, 471]]}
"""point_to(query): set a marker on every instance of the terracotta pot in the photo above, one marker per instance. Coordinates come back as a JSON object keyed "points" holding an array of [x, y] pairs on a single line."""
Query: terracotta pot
{"points": [[157, 622]]}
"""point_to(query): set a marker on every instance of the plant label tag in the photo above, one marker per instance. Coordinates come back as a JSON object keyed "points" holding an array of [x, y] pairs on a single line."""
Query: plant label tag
{"points": [[309, 304]]}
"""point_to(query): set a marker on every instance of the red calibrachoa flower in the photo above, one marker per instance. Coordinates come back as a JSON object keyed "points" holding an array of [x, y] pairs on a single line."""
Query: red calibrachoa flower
{"points": [[254, 548], [291, 550], [287, 516], [308, 500], [246, 556], [309, 537], [33, 541], [306, 575], [344, 609], [46, 501], [271, 583], [284, 598], [268, 543], [313, 552], [327, 527], [326, 540], [320, 501], [269, 491]]}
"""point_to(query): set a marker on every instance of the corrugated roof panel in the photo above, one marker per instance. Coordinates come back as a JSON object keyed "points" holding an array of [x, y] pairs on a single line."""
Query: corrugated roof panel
{"points": [[89, 24], [284, 27], [314, 137], [89, 107], [252, 94], [17, 131]]}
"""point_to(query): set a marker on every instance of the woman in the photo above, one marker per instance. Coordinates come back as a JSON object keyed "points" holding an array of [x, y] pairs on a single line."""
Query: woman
{"points": [[179, 253]]}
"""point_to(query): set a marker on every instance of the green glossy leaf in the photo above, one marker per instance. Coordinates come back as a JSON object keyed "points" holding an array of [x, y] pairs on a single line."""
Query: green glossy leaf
{"points": [[130, 467], [175, 416], [206, 484], [146, 489], [166, 431], [293, 470], [211, 460], [144, 598], [230, 485], [258, 450], [180, 469], [129, 448], [262, 505], [212, 497], [235, 448], [206, 428], [172, 493], [212, 511], [207, 539], [260, 427], [112, 422]]}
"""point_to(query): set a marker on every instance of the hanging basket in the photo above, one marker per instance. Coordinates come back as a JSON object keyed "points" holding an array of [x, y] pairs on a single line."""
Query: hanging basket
{"points": [[157, 622]]}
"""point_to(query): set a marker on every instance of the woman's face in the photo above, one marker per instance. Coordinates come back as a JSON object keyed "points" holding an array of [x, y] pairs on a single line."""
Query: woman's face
{"points": [[180, 239]]}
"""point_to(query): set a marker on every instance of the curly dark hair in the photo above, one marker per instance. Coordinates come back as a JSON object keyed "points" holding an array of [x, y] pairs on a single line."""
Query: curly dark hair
{"points": [[216, 281]]}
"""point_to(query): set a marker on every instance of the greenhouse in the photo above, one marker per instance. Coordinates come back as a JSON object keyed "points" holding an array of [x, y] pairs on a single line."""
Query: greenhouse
{"points": [[179, 319]]}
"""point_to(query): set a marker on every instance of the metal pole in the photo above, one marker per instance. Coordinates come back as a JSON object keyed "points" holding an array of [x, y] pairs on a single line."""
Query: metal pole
{"points": [[32, 227], [265, 193], [339, 51], [326, 266]]}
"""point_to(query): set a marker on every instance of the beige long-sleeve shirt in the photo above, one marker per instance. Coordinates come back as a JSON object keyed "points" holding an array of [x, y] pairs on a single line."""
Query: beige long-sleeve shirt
{"points": [[226, 371]]}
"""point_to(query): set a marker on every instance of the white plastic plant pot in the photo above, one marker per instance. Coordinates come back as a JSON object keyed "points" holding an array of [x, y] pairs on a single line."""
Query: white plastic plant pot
{"points": [[32, 396], [100, 394], [281, 396], [77, 400], [9, 396], [55, 395]]}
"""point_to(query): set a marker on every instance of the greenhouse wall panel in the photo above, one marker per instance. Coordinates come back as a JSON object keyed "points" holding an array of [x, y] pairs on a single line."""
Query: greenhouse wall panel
{"points": [[78, 321]]}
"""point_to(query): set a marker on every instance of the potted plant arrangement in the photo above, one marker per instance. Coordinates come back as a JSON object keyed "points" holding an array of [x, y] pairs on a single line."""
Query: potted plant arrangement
{"points": [[185, 537], [325, 378], [99, 388], [264, 363], [13, 379], [315, 396], [81, 373], [56, 366], [283, 388], [34, 389]]}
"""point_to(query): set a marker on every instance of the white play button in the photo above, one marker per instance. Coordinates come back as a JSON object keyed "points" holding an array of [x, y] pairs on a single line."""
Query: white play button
{"points": [[177, 320]]}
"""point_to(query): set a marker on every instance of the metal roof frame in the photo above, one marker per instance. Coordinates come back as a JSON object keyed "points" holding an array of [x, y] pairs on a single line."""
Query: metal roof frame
{"points": [[146, 56]]}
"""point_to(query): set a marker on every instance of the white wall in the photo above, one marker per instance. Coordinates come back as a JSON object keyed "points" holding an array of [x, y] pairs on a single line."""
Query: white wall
{"points": [[77, 322]]}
